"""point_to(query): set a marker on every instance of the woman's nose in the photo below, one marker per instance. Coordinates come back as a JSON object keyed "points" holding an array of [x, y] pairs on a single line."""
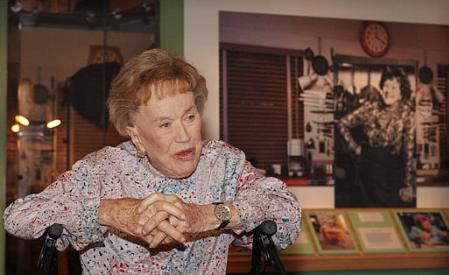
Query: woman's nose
{"points": [[182, 134]]}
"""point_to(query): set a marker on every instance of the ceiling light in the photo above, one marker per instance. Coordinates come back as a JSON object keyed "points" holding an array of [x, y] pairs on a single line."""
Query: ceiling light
{"points": [[15, 128], [22, 120], [54, 123]]}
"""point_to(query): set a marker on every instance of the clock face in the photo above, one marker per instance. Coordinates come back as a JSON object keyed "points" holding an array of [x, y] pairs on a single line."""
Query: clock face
{"points": [[375, 39]]}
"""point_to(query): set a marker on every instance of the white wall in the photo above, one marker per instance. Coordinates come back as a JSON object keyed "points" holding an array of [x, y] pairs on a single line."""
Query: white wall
{"points": [[201, 48]]}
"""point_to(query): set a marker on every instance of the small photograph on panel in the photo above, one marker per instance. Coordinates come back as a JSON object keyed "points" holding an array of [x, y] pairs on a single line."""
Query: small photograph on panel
{"points": [[331, 232], [424, 231]]}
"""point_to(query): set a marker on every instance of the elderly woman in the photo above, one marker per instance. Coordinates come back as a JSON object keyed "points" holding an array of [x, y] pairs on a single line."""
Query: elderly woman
{"points": [[165, 202], [386, 171]]}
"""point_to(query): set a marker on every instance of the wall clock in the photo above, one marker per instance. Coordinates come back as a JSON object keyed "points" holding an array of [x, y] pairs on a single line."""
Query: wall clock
{"points": [[375, 39]]}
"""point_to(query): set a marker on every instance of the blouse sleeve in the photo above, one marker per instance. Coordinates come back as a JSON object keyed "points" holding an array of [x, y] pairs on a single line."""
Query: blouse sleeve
{"points": [[409, 143], [350, 121], [262, 198], [72, 200]]}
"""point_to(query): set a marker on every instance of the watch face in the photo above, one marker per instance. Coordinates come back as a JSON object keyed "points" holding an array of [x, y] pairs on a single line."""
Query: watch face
{"points": [[222, 212], [375, 39]]}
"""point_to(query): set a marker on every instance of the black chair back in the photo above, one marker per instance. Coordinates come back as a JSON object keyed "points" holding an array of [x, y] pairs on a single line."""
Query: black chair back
{"points": [[48, 259]]}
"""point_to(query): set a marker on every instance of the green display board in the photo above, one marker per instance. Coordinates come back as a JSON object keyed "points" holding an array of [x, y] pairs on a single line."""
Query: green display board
{"points": [[302, 246], [376, 231]]}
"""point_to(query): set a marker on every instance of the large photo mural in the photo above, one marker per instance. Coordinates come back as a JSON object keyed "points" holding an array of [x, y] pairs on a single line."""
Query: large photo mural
{"points": [[366, 105]]}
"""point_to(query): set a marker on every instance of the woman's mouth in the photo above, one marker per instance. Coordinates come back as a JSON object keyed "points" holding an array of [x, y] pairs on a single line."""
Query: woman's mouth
{"points": [[187, 154]]}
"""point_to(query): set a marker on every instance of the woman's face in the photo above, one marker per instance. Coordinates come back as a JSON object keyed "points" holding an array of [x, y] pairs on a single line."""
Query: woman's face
{"points": [[391, 92], [426, 224], [169, 129]]}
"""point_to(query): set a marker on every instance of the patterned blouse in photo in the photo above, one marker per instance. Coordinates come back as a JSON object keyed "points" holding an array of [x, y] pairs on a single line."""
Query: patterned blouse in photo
{"points": [[222, 175], [396, 132]]}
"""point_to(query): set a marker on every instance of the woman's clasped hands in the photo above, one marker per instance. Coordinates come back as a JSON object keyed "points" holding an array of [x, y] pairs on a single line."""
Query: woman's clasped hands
{"points": [[157, 219]]}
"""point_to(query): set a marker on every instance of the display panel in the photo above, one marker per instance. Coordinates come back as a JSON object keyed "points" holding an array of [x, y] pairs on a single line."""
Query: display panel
{"points": [[376, 231]]}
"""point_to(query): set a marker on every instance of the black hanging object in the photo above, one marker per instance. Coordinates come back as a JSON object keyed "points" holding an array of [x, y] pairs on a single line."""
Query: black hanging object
{"points": [[320, 65], [334, 67], [338, 90], [88, 90], [308, 54], [308, 127], [370, 93], [425, 75], [40, 94]]}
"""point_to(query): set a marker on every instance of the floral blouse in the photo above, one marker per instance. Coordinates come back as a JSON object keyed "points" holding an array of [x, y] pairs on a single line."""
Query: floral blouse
{"points": [[397, 133], [222, 175]]}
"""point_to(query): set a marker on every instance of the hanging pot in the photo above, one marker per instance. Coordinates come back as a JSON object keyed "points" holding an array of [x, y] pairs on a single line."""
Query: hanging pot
{"points": [[308, 54], [88, 90], [425, 75], [41, 94], [320, 65]]}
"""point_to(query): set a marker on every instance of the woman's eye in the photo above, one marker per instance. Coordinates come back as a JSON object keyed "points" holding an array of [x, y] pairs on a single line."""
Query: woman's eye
{"points": [[190, 117], [164, 125]]}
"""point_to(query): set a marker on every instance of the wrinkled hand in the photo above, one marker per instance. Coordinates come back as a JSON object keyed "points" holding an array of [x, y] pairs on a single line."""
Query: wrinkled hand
{"points": [[164, 229], [123, 215], [407, 193]]}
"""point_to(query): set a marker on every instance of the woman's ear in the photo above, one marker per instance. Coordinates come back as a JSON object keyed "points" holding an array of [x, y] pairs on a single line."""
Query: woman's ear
{"points": [[134, 135]]}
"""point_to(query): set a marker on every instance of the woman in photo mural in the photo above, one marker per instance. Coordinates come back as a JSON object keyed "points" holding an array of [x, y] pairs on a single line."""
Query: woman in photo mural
{"points": [[386, 175]]}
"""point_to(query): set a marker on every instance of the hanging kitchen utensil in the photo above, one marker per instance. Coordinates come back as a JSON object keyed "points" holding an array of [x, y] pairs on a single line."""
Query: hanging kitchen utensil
{"points": [[40, 94], [310, 144], [309, 54], [334, 68], [425, 75], [369, 93], [308, 127], [319, 62], [88, 90], [320, 65]]}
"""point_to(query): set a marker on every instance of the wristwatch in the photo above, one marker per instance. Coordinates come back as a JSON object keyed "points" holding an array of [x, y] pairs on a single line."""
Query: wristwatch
{"points": [[222, 213]]}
